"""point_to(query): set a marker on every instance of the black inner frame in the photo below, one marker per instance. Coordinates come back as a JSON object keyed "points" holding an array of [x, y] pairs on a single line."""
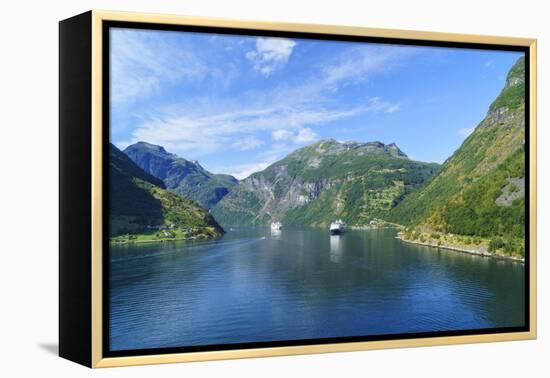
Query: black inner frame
{"points": [[107, 25]]}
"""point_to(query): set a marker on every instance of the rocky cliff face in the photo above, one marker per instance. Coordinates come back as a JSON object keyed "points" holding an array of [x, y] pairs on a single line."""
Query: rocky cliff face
{"points": [[185, 177], [326, 180]]}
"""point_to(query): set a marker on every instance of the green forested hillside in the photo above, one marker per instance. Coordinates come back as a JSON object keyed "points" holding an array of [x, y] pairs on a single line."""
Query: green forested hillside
{"points": [[140, 206], [324, 181], [479, 190]]}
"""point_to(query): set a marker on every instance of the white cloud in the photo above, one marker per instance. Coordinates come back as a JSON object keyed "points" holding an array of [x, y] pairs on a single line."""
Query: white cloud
{"points": [[302, 135], [392, 108], [189, 133], [242, 171], [262, 160], [359, 63], [200, 128], [248, 143], [465, 131], [305, 135], [143, 63], [270, 54], [280, 135]]}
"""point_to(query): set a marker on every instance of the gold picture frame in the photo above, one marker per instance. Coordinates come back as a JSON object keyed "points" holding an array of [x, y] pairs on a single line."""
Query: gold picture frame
{"points": [[92, 24]]}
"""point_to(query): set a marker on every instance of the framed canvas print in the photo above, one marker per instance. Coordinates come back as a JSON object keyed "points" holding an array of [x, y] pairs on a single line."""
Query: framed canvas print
{"points": [[236, 189]]}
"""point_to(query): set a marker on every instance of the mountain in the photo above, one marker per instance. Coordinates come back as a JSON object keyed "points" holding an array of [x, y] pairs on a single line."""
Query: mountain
{"points": [[139, 204], [324, 181], [181, 176], [480, 190]]}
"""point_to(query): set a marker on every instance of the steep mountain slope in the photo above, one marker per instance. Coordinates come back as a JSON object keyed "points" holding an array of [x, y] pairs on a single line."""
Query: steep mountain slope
{"points": [[181, 176], [326, 180], [479, 190], [139, 204]]}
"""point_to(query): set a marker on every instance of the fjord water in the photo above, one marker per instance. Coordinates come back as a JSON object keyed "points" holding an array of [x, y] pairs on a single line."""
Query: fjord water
{"points": [[253, 286]]}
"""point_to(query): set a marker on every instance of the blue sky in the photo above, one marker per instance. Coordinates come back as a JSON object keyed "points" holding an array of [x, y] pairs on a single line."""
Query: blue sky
{"points": [[237, 104]]}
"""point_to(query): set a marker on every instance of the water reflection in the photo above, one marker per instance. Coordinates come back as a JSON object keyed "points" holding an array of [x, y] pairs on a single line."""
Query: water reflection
{"points": [[336, 249], [276, 233]]}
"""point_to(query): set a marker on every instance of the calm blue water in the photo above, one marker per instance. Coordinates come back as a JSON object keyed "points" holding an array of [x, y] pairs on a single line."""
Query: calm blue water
{"points": [[252, 286]]}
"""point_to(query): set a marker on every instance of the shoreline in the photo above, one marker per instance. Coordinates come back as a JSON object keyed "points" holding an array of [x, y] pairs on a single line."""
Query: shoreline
{"points": [[464, 250], [367, 228], [159, 241], [398, 236]]}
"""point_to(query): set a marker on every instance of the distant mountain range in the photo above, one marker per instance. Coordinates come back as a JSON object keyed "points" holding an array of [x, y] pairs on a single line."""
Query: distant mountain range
{"points": [[323, 181], [181, 176]]}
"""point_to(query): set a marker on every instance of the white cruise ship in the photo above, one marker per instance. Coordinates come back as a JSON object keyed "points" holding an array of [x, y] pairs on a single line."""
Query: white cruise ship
{"points": [[338, 227], [276, 226]]}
